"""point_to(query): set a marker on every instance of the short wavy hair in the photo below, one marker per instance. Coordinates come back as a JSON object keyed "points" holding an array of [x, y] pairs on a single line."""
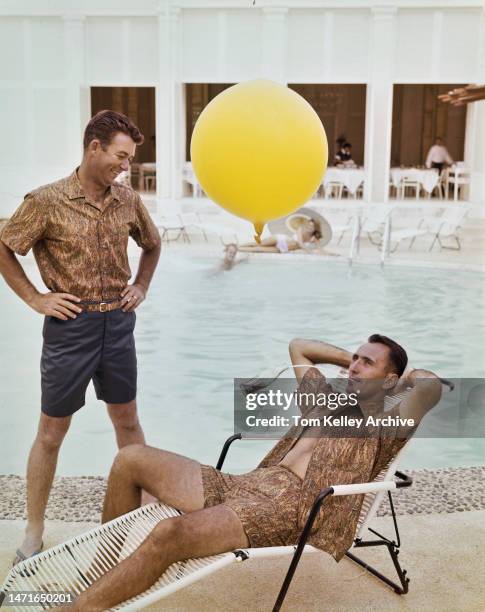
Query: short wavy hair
{"points": [[105, 124], [397, 355]]}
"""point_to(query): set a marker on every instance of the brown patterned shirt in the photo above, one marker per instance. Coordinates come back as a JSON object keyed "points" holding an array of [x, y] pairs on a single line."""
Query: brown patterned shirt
{"points": [[335, 461], [80, 246]]}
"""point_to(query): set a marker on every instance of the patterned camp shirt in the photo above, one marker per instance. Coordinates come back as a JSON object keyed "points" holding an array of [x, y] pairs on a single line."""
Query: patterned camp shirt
{"points": [[334, 461], [80, 246]]}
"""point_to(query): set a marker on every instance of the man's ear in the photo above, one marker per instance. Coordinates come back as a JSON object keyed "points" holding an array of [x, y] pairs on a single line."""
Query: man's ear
{"points": [[94, 146], [390, 382]]}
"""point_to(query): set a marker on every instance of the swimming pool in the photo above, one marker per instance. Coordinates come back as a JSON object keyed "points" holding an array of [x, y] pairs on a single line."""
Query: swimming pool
{"points": [[198, 331]]}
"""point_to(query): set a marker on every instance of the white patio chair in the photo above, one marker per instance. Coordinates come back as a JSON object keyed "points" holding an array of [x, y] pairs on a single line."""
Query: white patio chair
{"points": [[333, 190], [150, 182], [409, 184], [459, 178]]}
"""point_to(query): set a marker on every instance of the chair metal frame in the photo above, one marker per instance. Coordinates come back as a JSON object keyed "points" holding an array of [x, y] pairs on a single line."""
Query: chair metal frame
{"points": [[393, 546]]}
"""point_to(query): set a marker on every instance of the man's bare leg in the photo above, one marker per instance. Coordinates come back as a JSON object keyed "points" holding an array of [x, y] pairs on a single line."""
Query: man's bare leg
{"points": [[125, 421], [41, 468], [171, 478], [128, 431], [198, 534]]}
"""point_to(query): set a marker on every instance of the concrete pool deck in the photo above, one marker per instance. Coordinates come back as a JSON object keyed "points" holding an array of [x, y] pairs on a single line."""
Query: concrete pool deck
{"points": [[406, 215], [443, 555]]}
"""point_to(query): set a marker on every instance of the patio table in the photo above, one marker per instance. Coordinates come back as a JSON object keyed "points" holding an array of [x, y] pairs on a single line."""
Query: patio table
{"points": [[427, 178], [351, 178]]}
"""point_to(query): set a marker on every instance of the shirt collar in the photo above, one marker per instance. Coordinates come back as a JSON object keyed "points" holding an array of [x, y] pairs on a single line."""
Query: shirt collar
{"points": [[74, 188]]}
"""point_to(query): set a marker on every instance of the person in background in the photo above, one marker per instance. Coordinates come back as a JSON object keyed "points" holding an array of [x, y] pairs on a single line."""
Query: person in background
{"points": [[344, 156], [306, 234], [230, 257], [438, 156]]}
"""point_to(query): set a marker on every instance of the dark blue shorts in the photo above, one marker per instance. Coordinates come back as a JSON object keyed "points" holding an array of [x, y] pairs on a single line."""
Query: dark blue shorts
{"points": [[97, 346]]}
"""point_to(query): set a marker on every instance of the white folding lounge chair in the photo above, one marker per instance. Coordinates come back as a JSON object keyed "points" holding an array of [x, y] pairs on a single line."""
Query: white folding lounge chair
{"points": [[341, 228], [172, 224], [64, 568], [447, 227], [374, 224], [194, 221], [398, 236]]}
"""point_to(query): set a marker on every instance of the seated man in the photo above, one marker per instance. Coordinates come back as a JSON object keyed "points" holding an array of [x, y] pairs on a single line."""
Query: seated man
{"points": [[268, 506]]}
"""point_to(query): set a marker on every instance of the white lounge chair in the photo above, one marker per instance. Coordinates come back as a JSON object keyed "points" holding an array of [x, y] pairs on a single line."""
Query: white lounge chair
{"points": [[443, 227], [193, 221], [374, 224], [340, 229], [65, 567], [398, 236], [447, 227], [172, 224]]}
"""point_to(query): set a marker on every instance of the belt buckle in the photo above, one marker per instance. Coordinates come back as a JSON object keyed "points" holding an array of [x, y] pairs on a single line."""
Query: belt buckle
{"points": [[103, 306]]}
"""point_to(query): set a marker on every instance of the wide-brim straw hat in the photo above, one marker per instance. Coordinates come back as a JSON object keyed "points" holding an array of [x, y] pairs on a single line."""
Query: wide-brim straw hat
{"points": [[289, 225]]}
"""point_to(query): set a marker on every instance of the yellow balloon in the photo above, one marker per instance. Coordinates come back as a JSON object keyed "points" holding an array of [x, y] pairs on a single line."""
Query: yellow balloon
{"points": [[259, 150]]}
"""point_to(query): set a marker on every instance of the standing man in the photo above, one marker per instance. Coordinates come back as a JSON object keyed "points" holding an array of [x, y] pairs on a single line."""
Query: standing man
{"points": [[78, 228], [438, 156]]}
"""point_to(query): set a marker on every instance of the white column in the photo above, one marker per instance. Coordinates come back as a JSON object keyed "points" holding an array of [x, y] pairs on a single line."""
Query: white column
{"points": [[166, 107], [378, 120], [77, 94], [275, 44], [475, 128]]}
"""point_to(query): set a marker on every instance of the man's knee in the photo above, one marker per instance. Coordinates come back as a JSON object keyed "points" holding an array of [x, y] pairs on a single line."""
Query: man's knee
{"points": [[129, 458], [128, 462], [170, 533], [124, 416], [52, 431]]}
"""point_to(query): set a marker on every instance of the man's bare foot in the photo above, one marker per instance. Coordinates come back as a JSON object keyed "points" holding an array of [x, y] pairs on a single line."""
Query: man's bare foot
{"points": [[32, 545]]}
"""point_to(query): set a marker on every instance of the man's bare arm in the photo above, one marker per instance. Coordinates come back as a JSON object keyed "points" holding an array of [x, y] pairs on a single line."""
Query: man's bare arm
{"points": [[133, 295], [307, 353], [425, 393], [59, 305]]}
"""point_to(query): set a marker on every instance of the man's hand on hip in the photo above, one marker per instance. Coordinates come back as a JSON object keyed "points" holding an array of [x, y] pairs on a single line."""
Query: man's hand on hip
{"points": [[132, 296], [60, 305]]}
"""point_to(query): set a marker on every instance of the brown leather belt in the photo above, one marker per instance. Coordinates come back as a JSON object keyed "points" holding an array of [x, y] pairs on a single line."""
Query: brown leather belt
{"points": [[107, 306]]}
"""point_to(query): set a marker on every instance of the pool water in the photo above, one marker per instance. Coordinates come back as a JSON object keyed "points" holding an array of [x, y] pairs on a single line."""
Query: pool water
{"points": [[199, 330]]}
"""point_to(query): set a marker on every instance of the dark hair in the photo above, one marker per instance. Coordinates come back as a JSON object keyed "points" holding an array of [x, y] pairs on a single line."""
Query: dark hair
{"points": [[397, 355], [347, 144], [317, 232], [105, 124]]}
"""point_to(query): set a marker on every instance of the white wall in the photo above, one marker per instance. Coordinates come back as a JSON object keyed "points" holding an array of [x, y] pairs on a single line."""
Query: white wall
{"points": [[54, 51]]}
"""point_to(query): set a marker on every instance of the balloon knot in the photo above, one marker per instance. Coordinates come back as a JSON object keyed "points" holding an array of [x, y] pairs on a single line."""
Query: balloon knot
{"points": [[258, 228]]}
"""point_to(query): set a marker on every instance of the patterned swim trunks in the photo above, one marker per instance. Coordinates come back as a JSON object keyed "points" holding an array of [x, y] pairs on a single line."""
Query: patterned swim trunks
{"points": [[265, 501]]}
